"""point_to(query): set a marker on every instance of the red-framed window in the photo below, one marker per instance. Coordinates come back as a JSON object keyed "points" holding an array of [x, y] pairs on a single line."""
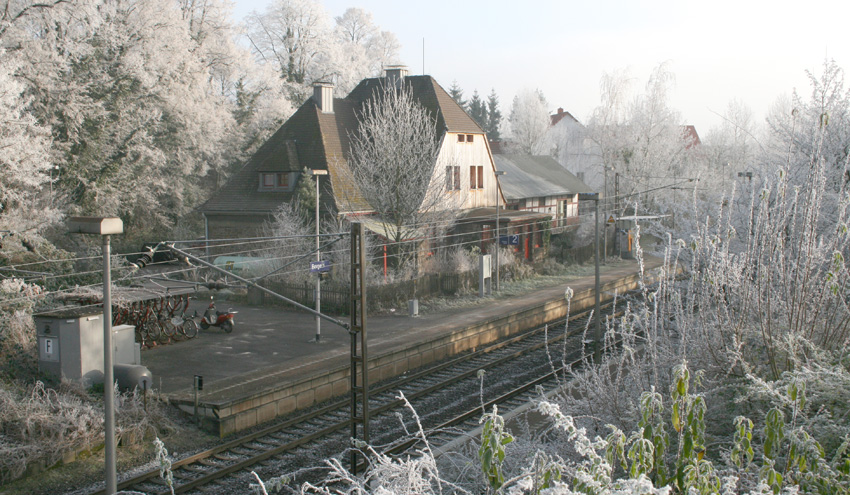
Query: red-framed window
{"points": [[476, 177], [274, 181], [452, 178]]}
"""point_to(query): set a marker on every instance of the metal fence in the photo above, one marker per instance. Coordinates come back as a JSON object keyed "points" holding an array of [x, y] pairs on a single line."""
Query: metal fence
{"points": [[336, 298]]}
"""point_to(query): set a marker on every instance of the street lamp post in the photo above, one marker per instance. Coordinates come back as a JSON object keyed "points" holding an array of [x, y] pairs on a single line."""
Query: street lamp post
{"points": [[105, 227], [498, 173], [317, 174]]}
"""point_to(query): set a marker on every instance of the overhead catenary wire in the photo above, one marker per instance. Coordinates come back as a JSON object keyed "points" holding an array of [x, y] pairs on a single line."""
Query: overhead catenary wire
{"points": [[374, 246], [378, 246], [223, 243]]}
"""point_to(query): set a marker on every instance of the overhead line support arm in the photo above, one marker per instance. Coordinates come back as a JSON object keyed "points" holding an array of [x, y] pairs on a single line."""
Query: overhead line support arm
{"points": [[253, 284]]}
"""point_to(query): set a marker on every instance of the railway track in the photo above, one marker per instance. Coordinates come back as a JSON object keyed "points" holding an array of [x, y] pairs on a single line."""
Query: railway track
{"points": [[448, 396]]}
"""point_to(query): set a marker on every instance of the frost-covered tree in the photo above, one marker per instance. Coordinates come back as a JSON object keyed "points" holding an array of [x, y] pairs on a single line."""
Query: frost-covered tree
{"points": [[298, 38], [26, 194], [646, 147], [384, 49], [608, 128], [355, 25], [291, 35], [643, 150], [732, 146], [819, 124], [138, 96], [393, 164], [360, 50], [529, 120], [734, 151], [291, 225]]}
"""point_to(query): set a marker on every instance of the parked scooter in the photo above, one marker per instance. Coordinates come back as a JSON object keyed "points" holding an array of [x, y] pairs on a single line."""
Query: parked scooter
{"points": [[215, 318]]}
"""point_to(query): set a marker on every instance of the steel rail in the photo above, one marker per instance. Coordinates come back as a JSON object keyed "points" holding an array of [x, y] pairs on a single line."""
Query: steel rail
{"points": [[476, 411], [186, 484]]}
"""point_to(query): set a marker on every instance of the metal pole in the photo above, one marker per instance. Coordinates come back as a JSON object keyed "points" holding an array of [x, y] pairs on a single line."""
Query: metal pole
{"points": [[605, 210], [108, 375], [357, 331], [352, 331], [596, 258], [498, 238], [104, 226], [498, 226], [206, 237], [318, 276], [254, 284]]}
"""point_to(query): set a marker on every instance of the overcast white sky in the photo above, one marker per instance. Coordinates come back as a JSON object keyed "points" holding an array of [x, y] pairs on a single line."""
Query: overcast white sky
{"points": [[751, 50]]}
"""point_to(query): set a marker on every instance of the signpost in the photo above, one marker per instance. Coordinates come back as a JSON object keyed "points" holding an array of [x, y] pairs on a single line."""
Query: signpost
{"points": [[321, 266], [509, 240]]}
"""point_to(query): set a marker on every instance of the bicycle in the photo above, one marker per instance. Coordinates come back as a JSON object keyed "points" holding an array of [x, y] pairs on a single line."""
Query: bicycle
{"points": [[186, 325]]}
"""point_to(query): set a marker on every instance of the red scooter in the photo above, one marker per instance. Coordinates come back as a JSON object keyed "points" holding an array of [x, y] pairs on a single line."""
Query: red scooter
{"points": [[221, 319]]}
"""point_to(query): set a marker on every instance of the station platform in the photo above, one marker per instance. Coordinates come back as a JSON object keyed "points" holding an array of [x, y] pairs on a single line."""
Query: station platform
{"points": [[271, 365]]}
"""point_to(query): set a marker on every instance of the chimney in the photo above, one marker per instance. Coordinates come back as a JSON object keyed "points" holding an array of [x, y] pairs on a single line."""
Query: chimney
{"points": [[323, 94], [395, 73]]}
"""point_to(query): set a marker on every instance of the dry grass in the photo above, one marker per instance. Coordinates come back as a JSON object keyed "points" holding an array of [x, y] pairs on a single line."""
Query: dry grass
{"points": [[42, 426], [555, 275]]}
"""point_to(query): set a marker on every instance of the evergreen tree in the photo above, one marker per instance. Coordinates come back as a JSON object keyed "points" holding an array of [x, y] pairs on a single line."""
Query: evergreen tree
{"points": [[306, 192], [494, 116], [457, 94], [478, 110]]}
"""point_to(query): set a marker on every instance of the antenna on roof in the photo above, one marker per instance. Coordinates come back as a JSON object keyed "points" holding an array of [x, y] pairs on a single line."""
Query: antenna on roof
{"points": [[423, 55]]}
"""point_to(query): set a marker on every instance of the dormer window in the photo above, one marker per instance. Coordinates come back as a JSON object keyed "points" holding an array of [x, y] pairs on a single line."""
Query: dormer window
{"points": [[274, 181]]}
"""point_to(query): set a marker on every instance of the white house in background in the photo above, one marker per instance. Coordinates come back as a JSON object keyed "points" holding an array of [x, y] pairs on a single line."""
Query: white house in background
{"points": [[569, 142]]}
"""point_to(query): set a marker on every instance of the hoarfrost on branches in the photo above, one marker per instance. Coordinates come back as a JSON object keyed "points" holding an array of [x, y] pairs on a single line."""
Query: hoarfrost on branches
{"points": [[297, 38], [394, 165], [529, 120], [25, 164]]}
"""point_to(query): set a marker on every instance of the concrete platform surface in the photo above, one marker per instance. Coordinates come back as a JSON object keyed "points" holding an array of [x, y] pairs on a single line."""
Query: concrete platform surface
{"points": [[272, 344]]}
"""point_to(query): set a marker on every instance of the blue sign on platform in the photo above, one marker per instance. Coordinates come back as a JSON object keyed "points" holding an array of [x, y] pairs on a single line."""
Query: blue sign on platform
{"points": [[506, 240], [320, 266]]}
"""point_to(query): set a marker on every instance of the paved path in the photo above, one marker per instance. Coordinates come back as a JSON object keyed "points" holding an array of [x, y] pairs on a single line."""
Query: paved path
{"points": [[273, 343]]}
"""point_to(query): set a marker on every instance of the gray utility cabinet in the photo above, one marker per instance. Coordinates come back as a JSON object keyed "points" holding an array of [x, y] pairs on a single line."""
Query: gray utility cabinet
{"points": [[70, 344]]}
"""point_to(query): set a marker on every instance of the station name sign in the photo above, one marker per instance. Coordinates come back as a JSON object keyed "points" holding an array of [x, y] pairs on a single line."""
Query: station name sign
{"points": [[320, 266]]}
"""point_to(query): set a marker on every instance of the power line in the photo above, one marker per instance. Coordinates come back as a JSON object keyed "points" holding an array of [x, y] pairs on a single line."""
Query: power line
{"points": [[230, 243]]}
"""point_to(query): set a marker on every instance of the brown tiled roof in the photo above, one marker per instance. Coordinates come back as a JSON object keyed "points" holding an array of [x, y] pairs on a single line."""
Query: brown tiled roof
{"points": [[315, 140], [297, 144], [450, 116], [336, 128]]}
